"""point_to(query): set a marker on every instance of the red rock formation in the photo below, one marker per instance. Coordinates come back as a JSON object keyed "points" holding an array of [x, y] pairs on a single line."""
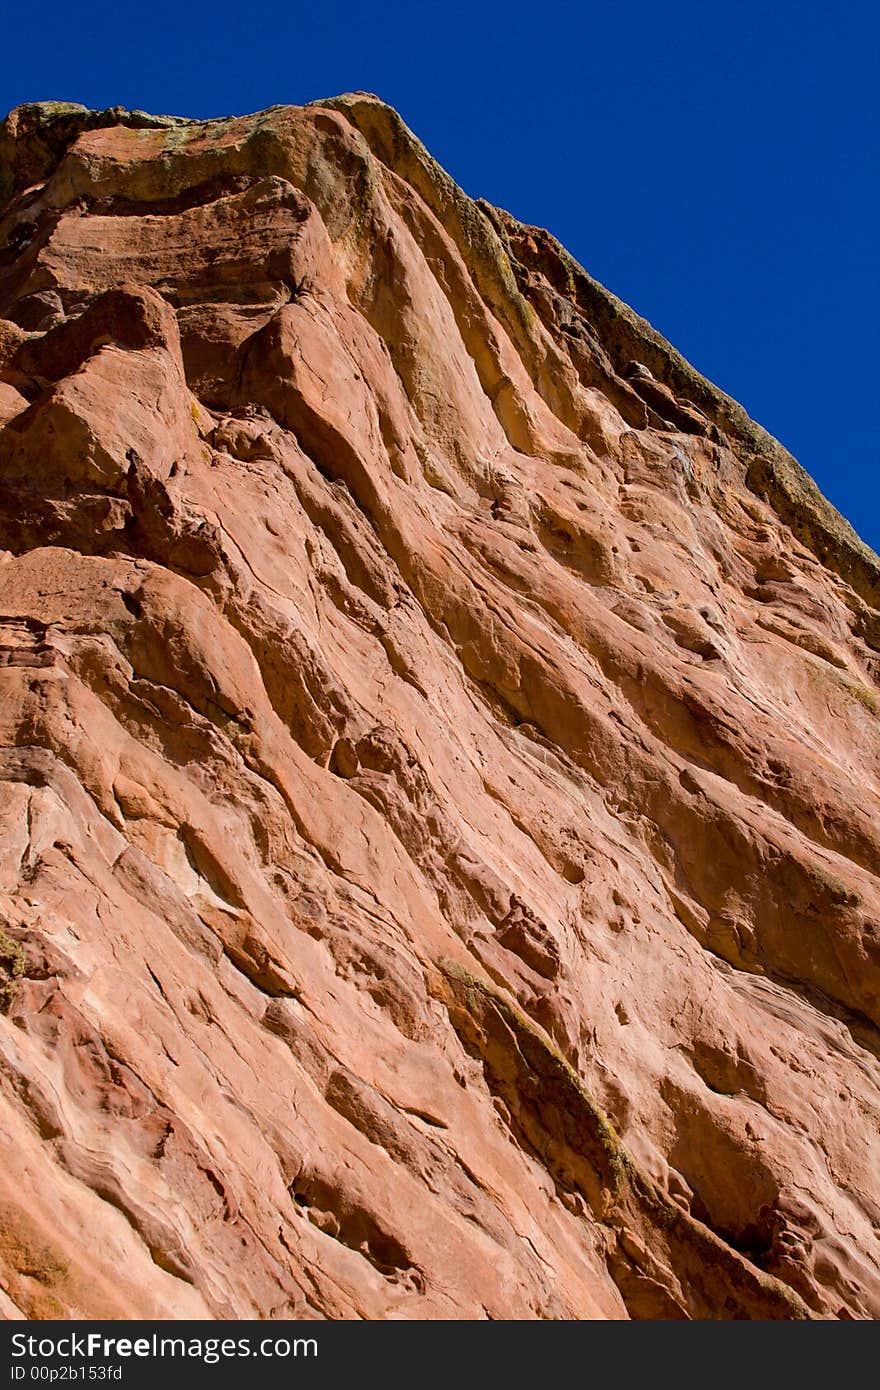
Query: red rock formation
{"points": [[440, 764]]}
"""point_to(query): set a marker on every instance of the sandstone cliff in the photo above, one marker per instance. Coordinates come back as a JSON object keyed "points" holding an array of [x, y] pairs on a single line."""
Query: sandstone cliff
{"points": [[440, 764]]}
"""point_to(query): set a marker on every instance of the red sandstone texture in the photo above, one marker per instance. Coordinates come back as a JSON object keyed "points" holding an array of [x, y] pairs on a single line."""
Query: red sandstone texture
{"points": [[440, 764]]}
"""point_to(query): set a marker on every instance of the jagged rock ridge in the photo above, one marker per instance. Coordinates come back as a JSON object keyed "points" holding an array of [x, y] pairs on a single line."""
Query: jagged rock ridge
{"points": [[440, 764]]}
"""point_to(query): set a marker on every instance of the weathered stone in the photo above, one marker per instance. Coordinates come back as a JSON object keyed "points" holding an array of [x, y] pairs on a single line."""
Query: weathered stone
{"points": [[439, 764]]}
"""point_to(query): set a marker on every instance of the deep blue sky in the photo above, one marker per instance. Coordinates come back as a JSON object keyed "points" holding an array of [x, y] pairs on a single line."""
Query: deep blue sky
{"points": [[715, 164]]}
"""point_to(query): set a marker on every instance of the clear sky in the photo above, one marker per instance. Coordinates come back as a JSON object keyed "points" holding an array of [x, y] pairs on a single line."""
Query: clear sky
{"points": [[713, 163]]}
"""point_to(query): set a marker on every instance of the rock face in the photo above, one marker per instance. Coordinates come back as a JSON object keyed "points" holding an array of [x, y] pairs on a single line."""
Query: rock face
{"points": [[440, 767]]}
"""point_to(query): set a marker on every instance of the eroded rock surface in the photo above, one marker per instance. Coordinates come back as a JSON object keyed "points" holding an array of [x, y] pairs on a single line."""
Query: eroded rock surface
{"points": [[440, 764]]}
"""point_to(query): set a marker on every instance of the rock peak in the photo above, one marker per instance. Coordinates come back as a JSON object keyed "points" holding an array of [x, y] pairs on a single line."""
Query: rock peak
{"points": [[440, 763]]}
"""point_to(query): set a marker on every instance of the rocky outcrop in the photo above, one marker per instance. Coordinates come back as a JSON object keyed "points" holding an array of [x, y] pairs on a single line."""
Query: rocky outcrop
{"points": [[440, 764]]}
